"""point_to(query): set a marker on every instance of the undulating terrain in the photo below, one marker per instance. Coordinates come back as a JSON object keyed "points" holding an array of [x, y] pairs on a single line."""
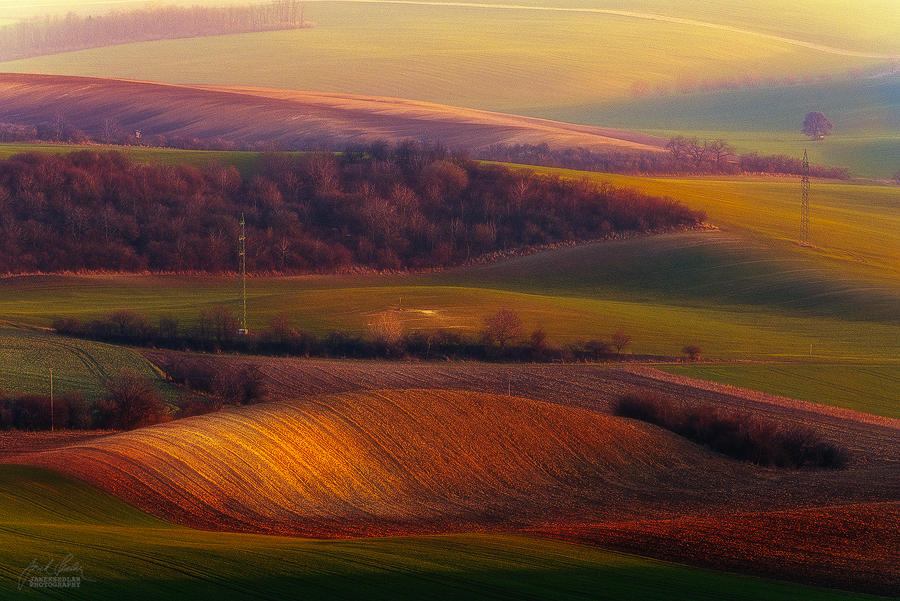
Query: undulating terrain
{"points": [[442, 474]]}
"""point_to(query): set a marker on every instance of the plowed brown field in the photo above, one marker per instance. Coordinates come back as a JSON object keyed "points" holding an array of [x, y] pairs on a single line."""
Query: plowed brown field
{"points": [[289, 119]]}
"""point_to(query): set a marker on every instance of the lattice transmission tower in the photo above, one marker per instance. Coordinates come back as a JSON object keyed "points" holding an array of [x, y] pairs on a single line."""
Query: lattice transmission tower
{"points": [[242, 252], [804, 201]]}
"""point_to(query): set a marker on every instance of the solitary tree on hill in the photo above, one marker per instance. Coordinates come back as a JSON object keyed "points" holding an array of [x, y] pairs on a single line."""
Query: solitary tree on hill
{"points": [[620, 340], [816, 125]]}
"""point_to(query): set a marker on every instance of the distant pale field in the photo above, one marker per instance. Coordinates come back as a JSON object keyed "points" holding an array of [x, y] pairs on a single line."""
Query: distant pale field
{"points": [[865, 113], [871, 25], [498, 59], [577, 67]]}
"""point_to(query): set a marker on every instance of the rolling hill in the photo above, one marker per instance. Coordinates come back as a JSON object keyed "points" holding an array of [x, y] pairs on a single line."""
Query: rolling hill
{"points": [[390, 462], [283, 118], [417, 461], [865, 112]]}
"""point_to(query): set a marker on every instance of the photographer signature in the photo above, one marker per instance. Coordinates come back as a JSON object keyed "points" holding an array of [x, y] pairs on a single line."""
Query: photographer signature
{"points": [[67, 567]]}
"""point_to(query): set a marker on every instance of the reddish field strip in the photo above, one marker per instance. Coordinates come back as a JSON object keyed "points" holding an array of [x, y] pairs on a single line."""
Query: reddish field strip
{"points": [[853, 546], [287, 118], [872, 439], [14, 443]]}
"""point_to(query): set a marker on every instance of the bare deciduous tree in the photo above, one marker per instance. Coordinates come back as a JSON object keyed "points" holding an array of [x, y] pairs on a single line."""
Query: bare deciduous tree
{"points": [[503, 326], [620, 340], [387, 328]]}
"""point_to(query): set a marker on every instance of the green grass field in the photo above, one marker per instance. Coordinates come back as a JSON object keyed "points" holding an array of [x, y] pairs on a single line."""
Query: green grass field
{"points": [[872, 388], [124, 553], [78, 365], [244, 161], [511, 60]]}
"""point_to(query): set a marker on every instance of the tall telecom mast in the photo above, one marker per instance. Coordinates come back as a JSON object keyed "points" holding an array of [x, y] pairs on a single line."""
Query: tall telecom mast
{"points": [[804, 202], [242, 251]]}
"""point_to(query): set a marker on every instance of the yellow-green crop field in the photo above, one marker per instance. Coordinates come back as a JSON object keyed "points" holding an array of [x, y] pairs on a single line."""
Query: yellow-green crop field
{"points": [[495, 58]]}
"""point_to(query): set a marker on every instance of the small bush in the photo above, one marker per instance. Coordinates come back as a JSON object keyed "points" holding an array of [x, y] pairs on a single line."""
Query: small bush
{"points": [[243, 384], [131, 401], [692, 351], [736, 434]]}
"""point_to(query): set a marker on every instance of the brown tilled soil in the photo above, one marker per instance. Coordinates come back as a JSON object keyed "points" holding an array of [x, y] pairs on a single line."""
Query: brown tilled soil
{"points": [[14, 444], [289, 119]]}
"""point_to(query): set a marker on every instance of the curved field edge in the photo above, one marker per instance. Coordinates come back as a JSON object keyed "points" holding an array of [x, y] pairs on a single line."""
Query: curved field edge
{"points": [[246, 115], [125, 553]]}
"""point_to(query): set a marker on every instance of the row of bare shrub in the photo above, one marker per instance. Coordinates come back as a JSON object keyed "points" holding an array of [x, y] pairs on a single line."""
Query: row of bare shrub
{"points": [[737, 434], [502, 338], [242, 384], [128, 401]]}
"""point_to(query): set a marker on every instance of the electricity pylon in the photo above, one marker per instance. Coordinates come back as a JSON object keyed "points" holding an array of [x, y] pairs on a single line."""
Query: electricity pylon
{"points": [[242, 251], [804, 201]]}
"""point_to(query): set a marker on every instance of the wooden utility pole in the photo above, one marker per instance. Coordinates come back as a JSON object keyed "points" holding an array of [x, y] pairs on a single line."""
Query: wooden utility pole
{"points": [[51, 399]]}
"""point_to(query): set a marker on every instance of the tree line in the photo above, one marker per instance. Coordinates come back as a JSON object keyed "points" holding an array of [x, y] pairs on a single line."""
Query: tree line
{"points": [[399, 208], [53, 34], [683, 156]]}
